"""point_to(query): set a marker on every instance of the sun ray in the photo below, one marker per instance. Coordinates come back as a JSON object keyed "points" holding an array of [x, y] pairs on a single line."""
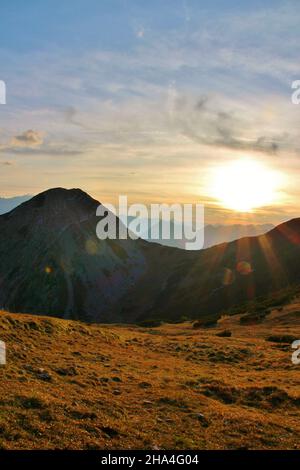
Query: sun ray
{"points": [[276, 270]]}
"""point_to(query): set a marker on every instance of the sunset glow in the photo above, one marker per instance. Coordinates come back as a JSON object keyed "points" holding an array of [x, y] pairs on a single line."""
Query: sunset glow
{"points": [[244, 185]]}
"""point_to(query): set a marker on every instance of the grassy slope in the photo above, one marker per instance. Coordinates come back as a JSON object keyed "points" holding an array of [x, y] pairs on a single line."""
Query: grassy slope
{"points": [[69, 385]]}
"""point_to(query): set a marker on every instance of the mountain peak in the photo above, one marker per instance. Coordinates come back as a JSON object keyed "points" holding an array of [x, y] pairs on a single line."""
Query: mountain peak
{"points": [[50, 251], [63, 194], [56, 207]]}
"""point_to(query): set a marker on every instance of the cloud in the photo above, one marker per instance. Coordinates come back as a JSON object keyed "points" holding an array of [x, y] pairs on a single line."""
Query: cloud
{"points": [[70, 114], [28, 138], [235, 126], [32, 142], [224, 138], [22, 142], [47, 149]]}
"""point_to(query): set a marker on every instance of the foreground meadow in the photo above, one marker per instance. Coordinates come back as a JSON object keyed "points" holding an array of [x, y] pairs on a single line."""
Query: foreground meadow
{"points": [[68, 385]]}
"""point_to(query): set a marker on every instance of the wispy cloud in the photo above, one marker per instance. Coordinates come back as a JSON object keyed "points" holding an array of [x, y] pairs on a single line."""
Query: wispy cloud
{"points": [[200, 88]]}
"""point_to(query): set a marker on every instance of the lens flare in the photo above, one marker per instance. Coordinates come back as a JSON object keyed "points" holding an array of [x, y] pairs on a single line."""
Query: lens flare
{"points": [[244, 268]]}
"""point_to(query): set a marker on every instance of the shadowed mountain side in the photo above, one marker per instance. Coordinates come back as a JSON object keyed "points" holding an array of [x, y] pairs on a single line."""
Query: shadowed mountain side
{"points": [[215, 279], [53, 263]]}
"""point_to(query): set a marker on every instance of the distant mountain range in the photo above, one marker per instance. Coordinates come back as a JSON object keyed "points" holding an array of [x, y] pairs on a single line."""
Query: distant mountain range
{"points": [[8, 204], [52, 263], [213, 234]]}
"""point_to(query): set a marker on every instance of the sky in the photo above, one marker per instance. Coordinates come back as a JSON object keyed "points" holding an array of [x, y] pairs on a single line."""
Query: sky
{"points": [[150, 99]]}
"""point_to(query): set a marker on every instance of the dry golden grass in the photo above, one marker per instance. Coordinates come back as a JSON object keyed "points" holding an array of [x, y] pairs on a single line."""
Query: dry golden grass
{"points": [[72, 386]]}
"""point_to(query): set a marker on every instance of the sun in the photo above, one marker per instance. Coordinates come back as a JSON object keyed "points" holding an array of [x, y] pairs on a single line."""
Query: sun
{"points": [[244, 185]]}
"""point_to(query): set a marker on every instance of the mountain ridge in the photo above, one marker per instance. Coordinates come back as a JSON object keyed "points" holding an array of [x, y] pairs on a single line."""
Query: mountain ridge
{"points": [[52, 263]]}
